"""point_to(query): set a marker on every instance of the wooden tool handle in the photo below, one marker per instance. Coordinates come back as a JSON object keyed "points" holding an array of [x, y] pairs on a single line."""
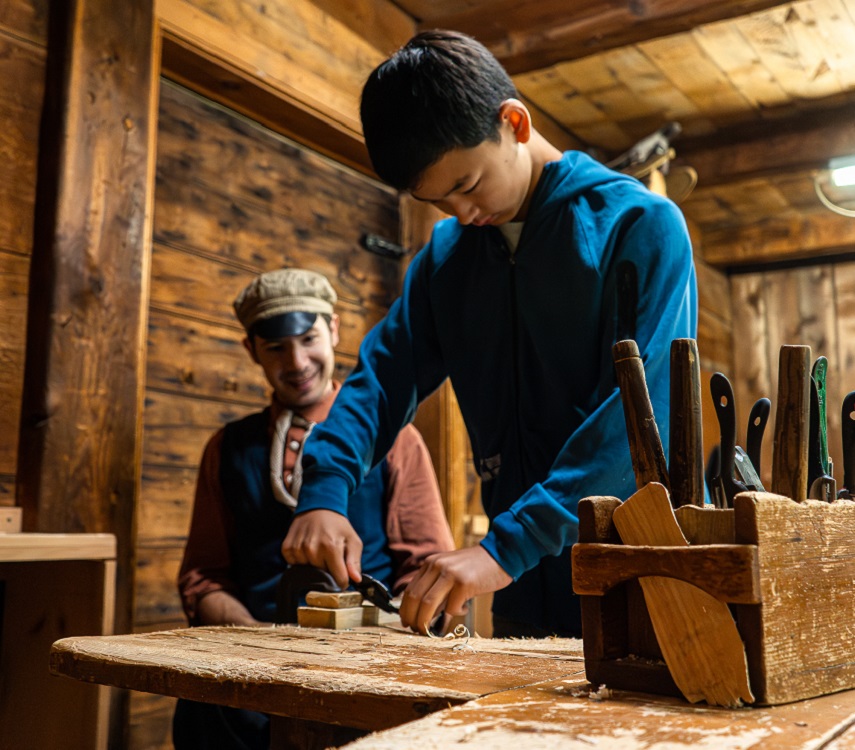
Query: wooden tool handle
{"points": [[645, 447], [685, 440], [792, 411]]}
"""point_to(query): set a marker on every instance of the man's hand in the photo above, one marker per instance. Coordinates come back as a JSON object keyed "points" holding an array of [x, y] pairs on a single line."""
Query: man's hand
{"points": [[325, 539], [447, 581]]}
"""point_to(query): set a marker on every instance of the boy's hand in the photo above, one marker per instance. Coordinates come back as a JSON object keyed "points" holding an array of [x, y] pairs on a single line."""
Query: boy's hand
{"points": [[447, 581], [325, 539]]}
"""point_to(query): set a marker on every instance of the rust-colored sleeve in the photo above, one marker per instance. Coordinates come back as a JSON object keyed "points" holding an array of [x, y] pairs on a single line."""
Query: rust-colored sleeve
{"points": [[207, 561], [415, 524]]}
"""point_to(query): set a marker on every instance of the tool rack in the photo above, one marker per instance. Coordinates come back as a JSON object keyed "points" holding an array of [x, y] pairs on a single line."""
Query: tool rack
{"points": [[786, 569]]}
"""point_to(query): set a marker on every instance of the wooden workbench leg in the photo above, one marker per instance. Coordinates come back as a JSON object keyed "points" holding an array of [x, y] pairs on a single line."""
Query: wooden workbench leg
{"points": [[303, 734]]}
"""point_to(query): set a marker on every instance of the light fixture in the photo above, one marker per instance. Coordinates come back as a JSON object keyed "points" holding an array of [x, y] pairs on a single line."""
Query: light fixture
{"points": [[839, 173], [842, 171]]}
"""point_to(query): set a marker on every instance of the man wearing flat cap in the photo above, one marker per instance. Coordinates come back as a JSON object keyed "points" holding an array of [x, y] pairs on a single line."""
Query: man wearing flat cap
{"points": [[249, 481]]}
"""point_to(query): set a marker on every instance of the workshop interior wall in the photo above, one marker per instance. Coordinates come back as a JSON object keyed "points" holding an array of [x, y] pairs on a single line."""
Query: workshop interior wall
{"points": [[23, 49]]}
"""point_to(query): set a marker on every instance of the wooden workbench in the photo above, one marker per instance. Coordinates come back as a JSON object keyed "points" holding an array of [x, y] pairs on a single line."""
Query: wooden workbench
{"points": [[488, 693]]}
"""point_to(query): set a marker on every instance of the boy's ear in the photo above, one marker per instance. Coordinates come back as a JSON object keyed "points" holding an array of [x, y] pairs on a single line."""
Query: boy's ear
{"points": [[516, 114]]}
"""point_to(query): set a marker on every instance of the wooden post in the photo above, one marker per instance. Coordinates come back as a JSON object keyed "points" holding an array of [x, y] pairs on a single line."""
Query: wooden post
{"points": [[78, 465]]}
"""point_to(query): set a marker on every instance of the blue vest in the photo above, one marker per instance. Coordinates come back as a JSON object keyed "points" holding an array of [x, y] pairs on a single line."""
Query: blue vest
{"points": [[261, 522]]}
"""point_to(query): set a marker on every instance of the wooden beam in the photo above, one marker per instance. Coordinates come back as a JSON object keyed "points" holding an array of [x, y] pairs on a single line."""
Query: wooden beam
{"points": [[278, 88], [531, 36], [80, 432], [234, 87], [776, 145], [380, 22], [786, 238]]}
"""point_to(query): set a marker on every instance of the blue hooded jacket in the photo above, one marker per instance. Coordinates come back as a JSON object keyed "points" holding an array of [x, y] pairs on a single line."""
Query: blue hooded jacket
{"points": [[526, 339]]}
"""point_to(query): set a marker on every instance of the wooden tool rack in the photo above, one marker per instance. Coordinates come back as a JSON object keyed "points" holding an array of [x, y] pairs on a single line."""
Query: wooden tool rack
{"points": [[786, 569]]}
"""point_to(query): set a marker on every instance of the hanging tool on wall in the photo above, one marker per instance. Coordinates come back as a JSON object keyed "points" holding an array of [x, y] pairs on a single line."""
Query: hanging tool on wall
{"points": [[649, 160]]}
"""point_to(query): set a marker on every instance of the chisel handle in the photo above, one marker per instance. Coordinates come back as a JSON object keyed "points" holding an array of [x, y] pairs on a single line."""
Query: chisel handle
{"points": [[645, 446], [792, 416], [685, 438]]}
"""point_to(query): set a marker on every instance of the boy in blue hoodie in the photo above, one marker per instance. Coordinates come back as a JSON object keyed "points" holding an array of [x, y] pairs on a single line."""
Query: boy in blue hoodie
{"points": [[515, 299]]}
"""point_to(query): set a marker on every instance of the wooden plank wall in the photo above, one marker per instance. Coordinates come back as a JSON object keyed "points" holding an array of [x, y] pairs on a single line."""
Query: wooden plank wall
{"points": [[810, 305], [23, 42], [232, 200]]}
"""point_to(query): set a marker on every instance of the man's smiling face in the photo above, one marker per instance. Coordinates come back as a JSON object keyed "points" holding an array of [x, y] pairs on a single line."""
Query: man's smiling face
{"points": [[299, 368]]}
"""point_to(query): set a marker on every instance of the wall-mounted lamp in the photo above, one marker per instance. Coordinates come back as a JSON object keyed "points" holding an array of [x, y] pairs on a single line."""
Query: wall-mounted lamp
{"points": [[839, 173]]}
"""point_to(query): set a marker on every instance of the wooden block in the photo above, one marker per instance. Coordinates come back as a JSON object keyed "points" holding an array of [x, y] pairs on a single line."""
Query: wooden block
{"points": [[799, 638], [10, 520], [337, 619], [372, 615], [333, 600]]}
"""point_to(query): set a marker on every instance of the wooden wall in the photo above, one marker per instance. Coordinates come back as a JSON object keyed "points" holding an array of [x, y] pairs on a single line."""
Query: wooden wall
{"points": [[810, 305], [23, 41]]}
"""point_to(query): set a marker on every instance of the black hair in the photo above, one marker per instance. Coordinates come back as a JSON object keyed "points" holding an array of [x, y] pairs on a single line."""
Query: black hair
{"points": [[442, 90]]}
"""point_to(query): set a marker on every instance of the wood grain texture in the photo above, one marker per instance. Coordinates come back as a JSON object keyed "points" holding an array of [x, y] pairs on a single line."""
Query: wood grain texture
{"points": [[726, 572], [370, 680], [807, 582], [572, 714], [686, 444], [790, 449], [697, 634], [645, 447]]}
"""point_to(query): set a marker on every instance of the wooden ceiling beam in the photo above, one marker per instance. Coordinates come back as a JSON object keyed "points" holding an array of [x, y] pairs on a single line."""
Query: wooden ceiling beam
{"points": [[813, 236], [557, 31], [771, 147]]}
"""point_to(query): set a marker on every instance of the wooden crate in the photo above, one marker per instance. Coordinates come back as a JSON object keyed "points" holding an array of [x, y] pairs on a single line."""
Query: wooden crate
{"points": [[786, 569]]}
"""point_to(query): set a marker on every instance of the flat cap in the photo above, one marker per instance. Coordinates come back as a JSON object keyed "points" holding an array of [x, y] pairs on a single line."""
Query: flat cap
{"points": [[277, 294]]}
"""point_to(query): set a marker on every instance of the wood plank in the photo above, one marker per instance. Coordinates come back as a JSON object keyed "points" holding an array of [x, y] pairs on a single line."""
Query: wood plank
{"points": [[779, 238], [25, 18], [336, 619], [779, 144], [22, 71], [532, 36], [177, 428], [752, 367], [367, 679], [331, 600], [310, 62], [379, 22], [81, 434], [14, 283], [166, 504], [156, 602], [570, 714], [151, 720], [808, 588], [37, 547]]}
